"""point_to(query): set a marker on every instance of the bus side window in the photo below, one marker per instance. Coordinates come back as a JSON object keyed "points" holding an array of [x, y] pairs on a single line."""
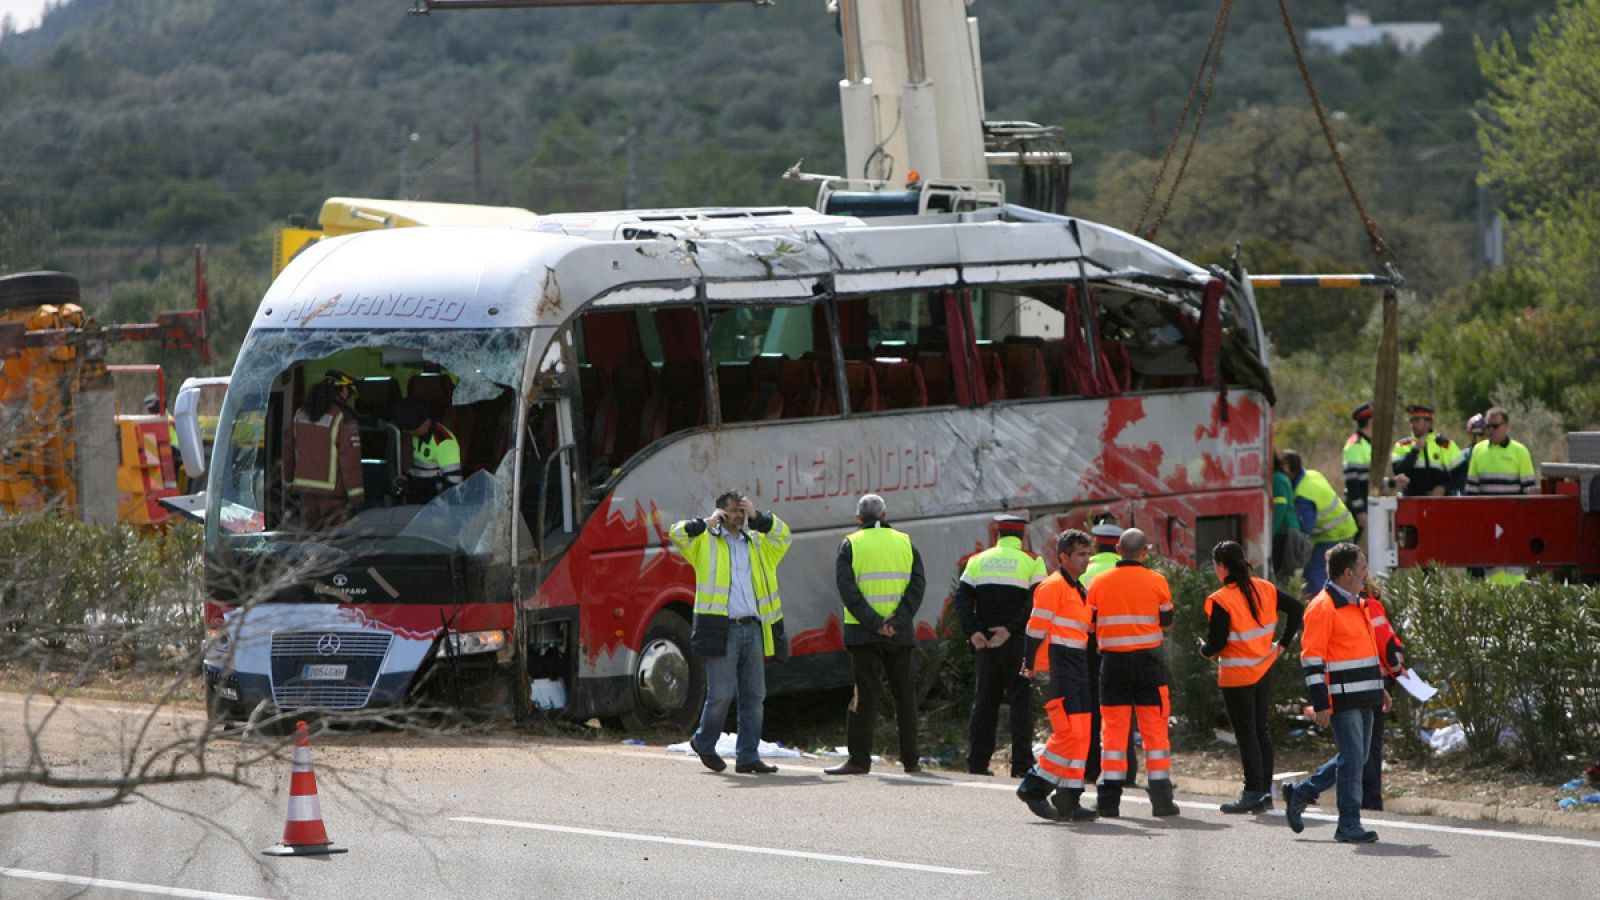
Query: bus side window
{"points": [[788, 373]]}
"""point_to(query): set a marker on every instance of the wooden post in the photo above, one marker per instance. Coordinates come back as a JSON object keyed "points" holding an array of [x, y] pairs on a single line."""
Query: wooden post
{"points": [[1385, 389]]}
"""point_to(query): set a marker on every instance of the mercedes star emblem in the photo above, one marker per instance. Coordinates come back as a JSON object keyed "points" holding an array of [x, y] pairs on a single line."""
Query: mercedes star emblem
{"points": [[328, 644]]}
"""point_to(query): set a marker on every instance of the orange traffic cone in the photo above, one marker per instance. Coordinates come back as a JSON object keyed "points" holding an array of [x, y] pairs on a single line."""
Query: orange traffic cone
{"points": [[303, 834]]}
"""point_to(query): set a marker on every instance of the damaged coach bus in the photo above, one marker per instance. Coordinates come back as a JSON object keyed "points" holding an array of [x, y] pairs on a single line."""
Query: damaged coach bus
{"points": [[607, 374]]}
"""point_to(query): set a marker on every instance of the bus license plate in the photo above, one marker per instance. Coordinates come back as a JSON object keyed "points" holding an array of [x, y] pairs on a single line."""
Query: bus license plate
{"points": [[323, 673]]}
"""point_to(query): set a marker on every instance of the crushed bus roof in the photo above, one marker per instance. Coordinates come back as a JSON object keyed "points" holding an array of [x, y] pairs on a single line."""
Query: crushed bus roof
{"points": [[541, 271]]}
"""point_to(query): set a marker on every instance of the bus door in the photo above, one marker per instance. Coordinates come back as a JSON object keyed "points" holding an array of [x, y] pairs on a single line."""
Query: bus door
{"points": [[549, 493]]}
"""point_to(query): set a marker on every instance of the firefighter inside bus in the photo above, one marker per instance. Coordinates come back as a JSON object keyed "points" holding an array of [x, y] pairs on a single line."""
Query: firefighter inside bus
{"points": [[322, 453]]}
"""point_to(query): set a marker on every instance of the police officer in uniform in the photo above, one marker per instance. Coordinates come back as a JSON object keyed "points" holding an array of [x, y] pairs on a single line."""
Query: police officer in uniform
{"points": [[1499, 467], [435, 452], [1358, 465], [992, 602], [1105, 551], [1425, 462]]}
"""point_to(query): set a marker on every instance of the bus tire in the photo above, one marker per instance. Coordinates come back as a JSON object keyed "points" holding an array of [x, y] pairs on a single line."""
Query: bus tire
{"points": [[220, 711], [29, 289], [668, 684]]}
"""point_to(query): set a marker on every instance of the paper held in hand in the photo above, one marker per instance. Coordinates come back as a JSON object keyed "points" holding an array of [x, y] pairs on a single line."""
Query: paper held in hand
{"points": [[1415, 686]]}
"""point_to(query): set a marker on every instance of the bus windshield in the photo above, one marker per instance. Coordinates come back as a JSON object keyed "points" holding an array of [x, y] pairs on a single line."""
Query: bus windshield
{"points": [[422, 464]]}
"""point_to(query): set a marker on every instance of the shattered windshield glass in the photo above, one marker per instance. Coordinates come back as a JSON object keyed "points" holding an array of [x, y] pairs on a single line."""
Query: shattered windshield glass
{"points": [[427, 431]]}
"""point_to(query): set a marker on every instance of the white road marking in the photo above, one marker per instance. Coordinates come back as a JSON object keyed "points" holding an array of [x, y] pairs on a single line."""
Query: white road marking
{"points": [[717, 845], [1373, 823], [1370, 821], [112, 885]]}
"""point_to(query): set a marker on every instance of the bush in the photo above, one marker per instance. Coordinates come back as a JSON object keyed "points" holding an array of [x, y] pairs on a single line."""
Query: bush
{"points": [[77, 595], [1520, 658]]}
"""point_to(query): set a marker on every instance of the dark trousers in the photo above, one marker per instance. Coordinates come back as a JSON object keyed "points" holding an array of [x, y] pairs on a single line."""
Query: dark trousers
{"points": [[1372, 772], [869, 665], [1250, 710], [997, 677]]}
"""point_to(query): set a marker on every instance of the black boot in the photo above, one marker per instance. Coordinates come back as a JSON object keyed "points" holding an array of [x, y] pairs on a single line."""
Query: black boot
{"points": [[1161, 798], [1035, 792], [1069, 806], [1108, 799], [1248, 802]]}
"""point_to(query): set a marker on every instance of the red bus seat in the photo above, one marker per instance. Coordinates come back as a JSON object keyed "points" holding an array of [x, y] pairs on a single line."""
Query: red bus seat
{"points": [[632, 406], [862, 382], [801, 386], [992, 371], [434, 390], [683, 396], [376, 397], [900, 384], [939, 376], [1024, 371], [1114, 359]]}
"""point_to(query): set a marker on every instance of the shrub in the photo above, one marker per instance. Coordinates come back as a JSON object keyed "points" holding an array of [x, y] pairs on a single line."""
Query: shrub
{"points": [[1519, 658], [80, 595]]}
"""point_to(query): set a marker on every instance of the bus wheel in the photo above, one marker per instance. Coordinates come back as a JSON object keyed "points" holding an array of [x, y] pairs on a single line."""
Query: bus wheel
{"points": [[220, 711], [669, 682]]}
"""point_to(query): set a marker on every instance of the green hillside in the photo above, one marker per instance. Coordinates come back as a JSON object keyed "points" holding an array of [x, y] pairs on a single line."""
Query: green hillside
{"points": [[130, 129]]}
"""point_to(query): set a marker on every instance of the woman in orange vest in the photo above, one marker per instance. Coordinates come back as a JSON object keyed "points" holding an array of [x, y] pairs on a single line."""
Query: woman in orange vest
{"points": [[1243, 616]]}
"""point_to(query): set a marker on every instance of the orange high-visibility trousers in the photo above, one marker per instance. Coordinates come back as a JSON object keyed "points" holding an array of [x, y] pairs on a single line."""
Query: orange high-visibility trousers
{"points": [[1067, 750], [1115, 722]]}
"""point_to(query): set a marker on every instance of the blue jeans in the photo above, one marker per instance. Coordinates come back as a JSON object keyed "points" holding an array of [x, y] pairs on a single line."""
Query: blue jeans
{"points": [[1352, 733], [1316, 573], [741, 670]]}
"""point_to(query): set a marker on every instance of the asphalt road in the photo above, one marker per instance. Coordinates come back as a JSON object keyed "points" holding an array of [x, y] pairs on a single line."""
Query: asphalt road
{"points": [[505, 816]]}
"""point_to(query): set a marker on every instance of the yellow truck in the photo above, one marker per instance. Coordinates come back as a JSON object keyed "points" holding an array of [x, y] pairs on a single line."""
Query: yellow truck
{"points": [[348, 215], [66, 442]]}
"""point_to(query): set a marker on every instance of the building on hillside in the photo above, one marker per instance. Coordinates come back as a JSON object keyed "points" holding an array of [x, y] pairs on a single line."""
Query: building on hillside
{"points": [[1359, 31]]}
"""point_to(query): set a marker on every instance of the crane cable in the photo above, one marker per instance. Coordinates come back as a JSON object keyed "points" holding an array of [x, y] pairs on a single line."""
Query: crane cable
{"points": [[1379, 246], [1212, 58]]}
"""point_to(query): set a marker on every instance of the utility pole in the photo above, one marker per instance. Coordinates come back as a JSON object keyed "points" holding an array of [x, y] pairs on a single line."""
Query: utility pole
{"points": [[628, 193], [406, 141]]}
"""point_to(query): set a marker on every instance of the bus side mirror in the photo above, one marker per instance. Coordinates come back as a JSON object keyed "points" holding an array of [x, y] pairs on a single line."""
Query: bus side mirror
{"points": [[186, 419]]}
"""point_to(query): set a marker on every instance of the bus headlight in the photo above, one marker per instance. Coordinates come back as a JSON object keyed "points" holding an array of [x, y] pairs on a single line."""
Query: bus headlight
{"points": [[218, 641], [466, 643]]}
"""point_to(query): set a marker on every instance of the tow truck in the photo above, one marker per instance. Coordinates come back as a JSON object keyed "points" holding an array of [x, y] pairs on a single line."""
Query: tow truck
{"points": [[1556, 530]]}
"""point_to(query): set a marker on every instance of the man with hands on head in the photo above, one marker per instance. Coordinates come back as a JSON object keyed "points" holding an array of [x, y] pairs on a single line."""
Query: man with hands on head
{"points": [[738, 619]]}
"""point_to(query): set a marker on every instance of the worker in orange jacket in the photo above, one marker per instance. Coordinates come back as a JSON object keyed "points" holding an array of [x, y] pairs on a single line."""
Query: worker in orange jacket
{"points": [[322, 455], [1061, 624], [1133, 608], [1339, 658]]}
